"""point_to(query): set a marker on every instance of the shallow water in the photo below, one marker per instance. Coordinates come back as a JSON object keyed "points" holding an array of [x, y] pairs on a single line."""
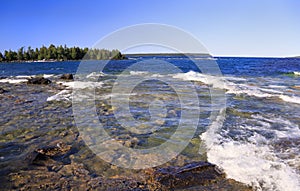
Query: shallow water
{"points": [[254, 139]]}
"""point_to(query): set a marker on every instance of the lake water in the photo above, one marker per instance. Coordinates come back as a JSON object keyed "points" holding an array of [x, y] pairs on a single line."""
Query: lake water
{"points": [[255, 139]]}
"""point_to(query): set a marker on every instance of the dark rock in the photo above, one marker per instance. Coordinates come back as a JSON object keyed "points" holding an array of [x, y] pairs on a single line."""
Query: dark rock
{"points": [[193, 176], [197, 173], [67, 77], [2, 91], [39, 80]]}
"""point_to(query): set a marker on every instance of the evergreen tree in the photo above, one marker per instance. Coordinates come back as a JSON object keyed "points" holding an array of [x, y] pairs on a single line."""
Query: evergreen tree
{"points": [[1, 57], [21, 53], [59, 53]]}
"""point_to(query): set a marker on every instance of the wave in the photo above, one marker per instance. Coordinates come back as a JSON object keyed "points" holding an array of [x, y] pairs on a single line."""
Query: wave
{"points": [[235, 85], [284, 129], [253, 163], [214, 81]]}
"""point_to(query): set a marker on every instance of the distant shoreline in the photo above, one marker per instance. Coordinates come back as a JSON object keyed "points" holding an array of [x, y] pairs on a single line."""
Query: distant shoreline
{"points": [[126, 56], [47, 61]]}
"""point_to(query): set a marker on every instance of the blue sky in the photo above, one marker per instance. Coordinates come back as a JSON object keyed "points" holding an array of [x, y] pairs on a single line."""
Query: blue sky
{"points": [[225, 27]]}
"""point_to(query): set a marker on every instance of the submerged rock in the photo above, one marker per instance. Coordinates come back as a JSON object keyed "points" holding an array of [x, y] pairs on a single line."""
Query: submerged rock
{"points": [[53, 151], [67, 77], [39, 80]]}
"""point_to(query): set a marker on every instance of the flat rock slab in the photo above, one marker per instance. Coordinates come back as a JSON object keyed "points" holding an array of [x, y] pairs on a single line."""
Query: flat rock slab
{"points": [[193, 176]]}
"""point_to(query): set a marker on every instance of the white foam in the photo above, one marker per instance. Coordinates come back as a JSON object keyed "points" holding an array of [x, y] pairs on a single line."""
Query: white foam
{"points": [[95, 75], [252, 163], [67, 93], [214, 81], [270, 91], [138, 73], [61, 96], [48, 75], [13, 81], [297, 73], [23, 76], [291, 99], [277, 86], [80, 84]]}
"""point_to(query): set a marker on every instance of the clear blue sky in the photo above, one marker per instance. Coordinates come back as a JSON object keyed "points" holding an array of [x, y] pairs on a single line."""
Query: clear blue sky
{"points": [[225, 27]]}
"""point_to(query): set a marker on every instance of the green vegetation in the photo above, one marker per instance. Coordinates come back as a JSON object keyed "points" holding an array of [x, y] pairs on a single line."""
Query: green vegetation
{"points": [[60, 53]]}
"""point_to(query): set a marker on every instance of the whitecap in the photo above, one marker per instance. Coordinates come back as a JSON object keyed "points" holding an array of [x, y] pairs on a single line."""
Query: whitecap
{"points": [[236, 88]]}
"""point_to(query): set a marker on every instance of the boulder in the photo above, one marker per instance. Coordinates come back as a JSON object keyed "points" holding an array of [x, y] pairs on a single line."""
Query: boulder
{"points": [[39, 80], [67, 77]]}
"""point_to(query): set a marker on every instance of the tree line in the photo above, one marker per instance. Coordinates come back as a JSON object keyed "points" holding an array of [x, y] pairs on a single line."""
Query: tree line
{"points": [[59, 53]]}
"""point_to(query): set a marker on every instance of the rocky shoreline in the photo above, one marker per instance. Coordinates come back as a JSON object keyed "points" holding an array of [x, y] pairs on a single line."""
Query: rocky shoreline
{"points": [[40, 148]]}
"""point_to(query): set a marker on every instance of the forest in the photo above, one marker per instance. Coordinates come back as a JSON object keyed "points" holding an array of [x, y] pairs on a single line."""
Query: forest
{"points": [[58, 53]]}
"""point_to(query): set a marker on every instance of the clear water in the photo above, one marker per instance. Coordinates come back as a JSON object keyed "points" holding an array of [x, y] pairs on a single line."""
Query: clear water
{"points": [[257, 141]]}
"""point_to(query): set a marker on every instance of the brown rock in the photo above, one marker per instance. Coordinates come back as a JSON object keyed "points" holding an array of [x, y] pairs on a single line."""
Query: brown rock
{"points": [[193, 176], [67, 77]]}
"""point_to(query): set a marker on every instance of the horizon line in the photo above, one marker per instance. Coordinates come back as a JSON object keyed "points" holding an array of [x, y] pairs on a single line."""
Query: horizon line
{"points": [[207, 54]]}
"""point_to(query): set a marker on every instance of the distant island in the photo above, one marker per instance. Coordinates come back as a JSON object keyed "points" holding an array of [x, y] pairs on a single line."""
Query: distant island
{"points": [[59, 53]]}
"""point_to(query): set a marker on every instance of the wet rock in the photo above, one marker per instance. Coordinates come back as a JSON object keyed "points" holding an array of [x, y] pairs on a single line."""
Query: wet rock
{"points": [[196, 176], [74, 170], [39, 80], [2, 91], [197, 173], [55, 150], [70, 177], [67, 77]]}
